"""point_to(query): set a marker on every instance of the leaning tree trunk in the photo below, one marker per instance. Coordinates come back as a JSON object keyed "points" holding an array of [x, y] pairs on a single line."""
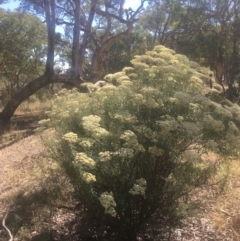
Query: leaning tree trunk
{"points": [[29, 89], [19, 97], [39, 82]]}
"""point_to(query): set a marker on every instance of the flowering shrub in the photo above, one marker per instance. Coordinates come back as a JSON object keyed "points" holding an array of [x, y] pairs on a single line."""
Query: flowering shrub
{"points": [[137, 145]]}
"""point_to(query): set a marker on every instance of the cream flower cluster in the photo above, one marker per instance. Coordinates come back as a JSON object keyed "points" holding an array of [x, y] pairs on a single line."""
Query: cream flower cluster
{"points": [[107, 201], [88, 177], [131, 141], [139, 187], [105, 156], [70, 137], [92, 125], [138, 100], [195, 108], [125, 153], [180, 118], [128, 136], [86, 143], [82, 159], [44, 122]]}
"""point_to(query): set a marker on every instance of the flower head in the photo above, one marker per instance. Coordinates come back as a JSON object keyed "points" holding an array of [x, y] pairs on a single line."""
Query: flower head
{"points": [[104, 156], [83, 159], [139, 187], [107, 201], [88, 177], [70, 137]]}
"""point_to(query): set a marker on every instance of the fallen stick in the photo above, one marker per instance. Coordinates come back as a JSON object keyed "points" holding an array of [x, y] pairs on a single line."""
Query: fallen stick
{"points": [[6, 228]]}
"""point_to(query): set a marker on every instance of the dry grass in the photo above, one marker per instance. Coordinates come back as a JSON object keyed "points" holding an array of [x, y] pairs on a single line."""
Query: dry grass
{"points": [[227, 204], [25, 120], [219, 204], [33, 107]]}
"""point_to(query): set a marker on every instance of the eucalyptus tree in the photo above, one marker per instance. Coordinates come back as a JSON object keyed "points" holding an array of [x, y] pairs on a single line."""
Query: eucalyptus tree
{"points": [[23, 41], [91, 27], [214, 38], [120, 53], [206, 31], [163, 19], [92, 23]]}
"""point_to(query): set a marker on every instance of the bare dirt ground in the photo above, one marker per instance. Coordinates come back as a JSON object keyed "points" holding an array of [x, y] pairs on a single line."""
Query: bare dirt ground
{"points": [[16, 154], [31, 190], [30, 186]]}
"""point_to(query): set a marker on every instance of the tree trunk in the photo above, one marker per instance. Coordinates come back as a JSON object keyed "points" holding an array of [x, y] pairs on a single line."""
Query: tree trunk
{"points": [[50, 21], [26, 91], [96, 65], [102, 45], [219, 68], [19, 97], [76, 36], [87, 35]]}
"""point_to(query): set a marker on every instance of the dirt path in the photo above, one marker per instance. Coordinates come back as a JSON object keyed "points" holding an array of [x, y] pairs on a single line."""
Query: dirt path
{"points": [[14, 160]]}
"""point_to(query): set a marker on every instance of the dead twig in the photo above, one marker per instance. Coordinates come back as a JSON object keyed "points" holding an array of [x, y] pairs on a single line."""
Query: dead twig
{"points": [[6, 228]]}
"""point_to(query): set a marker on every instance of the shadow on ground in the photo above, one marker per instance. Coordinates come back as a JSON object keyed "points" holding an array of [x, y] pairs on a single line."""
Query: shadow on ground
{"points": [[39, 215], [21, 126]]}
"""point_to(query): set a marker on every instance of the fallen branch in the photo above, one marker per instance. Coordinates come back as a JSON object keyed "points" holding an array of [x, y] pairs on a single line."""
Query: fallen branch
{"points": [[6, 228]]}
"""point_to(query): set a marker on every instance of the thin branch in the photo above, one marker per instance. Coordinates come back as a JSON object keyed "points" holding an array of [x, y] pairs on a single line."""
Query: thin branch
{"points": [[6, 228], [62, 8], [121, 20]]}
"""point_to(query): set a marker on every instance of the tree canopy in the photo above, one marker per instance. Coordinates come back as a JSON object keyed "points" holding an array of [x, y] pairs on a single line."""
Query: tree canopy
{"points": [[91, 28], [23, 43], [206, 31], [98, 37]]}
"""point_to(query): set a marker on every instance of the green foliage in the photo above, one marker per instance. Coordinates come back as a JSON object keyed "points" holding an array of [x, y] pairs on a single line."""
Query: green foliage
{"points": [[120, 53], [23, 42], [205, 31], [133, 148]]}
